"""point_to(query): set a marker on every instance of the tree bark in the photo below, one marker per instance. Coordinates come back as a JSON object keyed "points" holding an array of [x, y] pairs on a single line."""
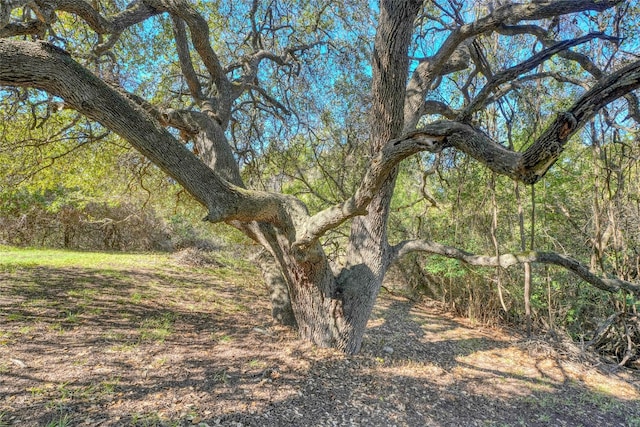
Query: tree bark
{"points": [[368, 247], [281, 310], [608, 284]]}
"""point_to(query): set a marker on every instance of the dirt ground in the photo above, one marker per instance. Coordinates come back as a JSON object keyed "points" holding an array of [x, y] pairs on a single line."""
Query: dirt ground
{"points": [[167, 345]]}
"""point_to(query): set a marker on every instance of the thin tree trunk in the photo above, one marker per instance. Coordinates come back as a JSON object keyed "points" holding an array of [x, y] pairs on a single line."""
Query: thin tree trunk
{"points": [[527, 296], [494, 239], [527, 266]]}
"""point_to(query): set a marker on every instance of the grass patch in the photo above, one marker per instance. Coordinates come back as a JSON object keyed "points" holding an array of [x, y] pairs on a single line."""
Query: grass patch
{"points": [[136, 297], [634, 422], [255, 363], [38, 390], [28, 258], [61, 421], [84, 294], [110, 387], [223, 339], [124, 347], [56, 327], [4, 422], [5, 338], [146, 419], [120, 305], [71, 317], [15, 317], [157, 328], [39, 303]]}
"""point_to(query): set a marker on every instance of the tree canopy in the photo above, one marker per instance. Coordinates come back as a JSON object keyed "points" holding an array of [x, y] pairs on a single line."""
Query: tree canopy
{"points": [[295, 121]]}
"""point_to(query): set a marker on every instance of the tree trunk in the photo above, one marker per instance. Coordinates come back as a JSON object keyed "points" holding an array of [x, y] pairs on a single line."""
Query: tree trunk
{"points": [[368, 251], [330, 311], [315, 299], [281, 309]]}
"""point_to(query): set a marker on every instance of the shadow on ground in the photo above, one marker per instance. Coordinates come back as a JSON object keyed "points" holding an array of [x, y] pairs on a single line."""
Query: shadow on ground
{"points": [[171, 347]]}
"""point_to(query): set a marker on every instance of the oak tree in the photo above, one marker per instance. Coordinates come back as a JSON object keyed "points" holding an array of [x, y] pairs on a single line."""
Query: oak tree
{"points": [[210, 73]]}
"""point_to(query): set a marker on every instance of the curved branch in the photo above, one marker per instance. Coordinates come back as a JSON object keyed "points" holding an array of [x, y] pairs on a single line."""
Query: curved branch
{"points": [[422, 79], [538, 158], [532, 164], [45, 67], [22, 28], [634, 110], [508, 260], [522, 68], [270, 99], [529, 166], [181, 120], [428, 71], [516, 84], [253, 61], [437, 107], [6, 7], [587, 64], [381, 166], [543, 36], [199, 30], [184, 57], [139, 11], [557, 76], [135, 13]]}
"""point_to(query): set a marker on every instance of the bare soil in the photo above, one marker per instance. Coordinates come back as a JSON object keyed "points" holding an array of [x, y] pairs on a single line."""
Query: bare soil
{"points": [[168, 345]]}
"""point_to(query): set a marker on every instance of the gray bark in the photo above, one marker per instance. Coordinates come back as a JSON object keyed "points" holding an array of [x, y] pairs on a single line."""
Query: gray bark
{"points": [[281, 309], [367, 251], [608, 284]]}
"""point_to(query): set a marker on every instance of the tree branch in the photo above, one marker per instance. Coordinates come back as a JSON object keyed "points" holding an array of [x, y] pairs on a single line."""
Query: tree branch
{"points": [[381, 166], [543, 36], [178, 119], [135, 13], [538, 158], [139, 11], [516, 84], [199, 30], [182, 47], [524, 67], [531, 165], [528, 166], [21, 28], [634, 110], [5, 10], [508, 260], [426, 73], [436, 107], [587, 64], [42, 66]]}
